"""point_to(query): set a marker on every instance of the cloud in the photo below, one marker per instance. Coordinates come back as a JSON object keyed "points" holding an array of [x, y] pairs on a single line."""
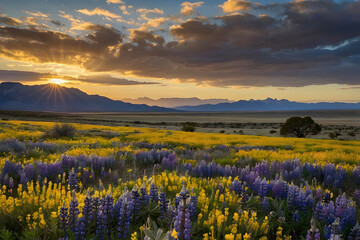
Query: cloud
{"points": [[99, 12], [115, 1], [144, 12], [20, 76], [104, 79], [124, 10], [304, 43], [76, 24], [188, 8], [235, 5], [36, 45], [107, 79], [9, 20], [153, 23], [38, 14], [36, 19], [57, 23], [147, 11]]}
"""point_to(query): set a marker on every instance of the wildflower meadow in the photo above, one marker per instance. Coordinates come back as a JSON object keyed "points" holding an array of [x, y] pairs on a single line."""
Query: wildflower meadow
{"points": [[112, 182]]}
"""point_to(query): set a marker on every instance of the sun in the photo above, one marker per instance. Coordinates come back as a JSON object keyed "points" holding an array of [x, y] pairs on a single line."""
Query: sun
{"points": [[57, 81]]}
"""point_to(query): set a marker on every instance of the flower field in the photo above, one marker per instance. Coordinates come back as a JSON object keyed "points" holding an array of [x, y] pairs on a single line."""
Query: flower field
{"points": [[110, 182]]}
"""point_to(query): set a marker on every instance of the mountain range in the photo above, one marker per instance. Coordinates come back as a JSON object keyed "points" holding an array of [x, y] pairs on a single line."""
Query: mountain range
{"points": [[55, 98], [269, 104], [174, 102]]}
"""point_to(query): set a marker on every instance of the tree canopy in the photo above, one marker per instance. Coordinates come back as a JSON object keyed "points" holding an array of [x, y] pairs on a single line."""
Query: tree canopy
{"points": [[300, 127]]}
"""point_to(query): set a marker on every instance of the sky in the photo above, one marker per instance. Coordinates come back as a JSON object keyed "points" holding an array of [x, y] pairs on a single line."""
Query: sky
{"points": [[302, 50]]}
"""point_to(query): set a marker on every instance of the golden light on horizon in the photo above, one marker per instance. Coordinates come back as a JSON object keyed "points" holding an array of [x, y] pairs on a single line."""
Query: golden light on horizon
{"points": [[57, 81]]}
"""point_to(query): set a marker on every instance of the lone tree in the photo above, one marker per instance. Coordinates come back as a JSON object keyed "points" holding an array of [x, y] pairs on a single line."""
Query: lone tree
{"points": [[300, 127]]}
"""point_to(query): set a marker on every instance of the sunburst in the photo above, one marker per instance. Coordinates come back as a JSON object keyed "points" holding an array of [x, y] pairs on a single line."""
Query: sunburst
{"points": [[57, 81]]}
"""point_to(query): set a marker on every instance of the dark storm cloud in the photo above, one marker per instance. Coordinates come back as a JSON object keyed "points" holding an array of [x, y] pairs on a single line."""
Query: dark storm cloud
{"points": [[294, 44], [106, 79]]}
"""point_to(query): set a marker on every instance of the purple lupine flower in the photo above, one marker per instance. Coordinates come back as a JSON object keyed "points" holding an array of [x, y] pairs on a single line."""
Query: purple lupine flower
{"points": [[293, 196], [354, 233], [129, 215], [236, 187], [68, 162], [193, 206], [96, 202], [144, 197], [187, 225], [179, 218], [277, 189], [137, 204], [164, 202], [101, 224], [341, 205], [73, 180], [256, 185], [88, 208], [73, 212], [301, 202], [327, 231], [122, 217], [29, 171], [154, 194], [182, 222], [23, 179], [263, 188], [64, 217], [228, 171], [107, 203], [169, 162], [80, 229]]}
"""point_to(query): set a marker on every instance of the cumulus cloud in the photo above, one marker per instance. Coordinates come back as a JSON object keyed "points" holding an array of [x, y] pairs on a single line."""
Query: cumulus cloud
{"points": [[235, 5], [308, 42], [115, 1], [9, 21], [188, 8], [99, 12]]}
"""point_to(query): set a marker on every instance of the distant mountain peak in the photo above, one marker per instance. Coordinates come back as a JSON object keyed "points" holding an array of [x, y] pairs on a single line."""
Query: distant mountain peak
{"points": [[173, 102], [64, 99], [270, 104]]}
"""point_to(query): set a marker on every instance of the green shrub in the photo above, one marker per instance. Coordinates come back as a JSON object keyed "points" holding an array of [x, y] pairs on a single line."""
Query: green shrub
{"points": [[61, 130], [188, 128]]}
